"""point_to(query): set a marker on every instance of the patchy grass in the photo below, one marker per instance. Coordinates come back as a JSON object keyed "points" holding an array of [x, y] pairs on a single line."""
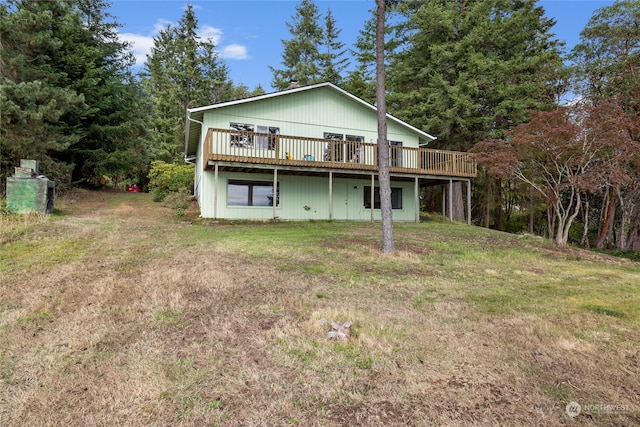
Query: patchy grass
{"points": [[115, 311]]}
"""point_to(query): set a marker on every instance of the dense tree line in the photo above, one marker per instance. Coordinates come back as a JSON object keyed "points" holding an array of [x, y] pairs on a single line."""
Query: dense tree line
{"points": [[483, 75], [68, 98], [583, 160], [490, 76]]}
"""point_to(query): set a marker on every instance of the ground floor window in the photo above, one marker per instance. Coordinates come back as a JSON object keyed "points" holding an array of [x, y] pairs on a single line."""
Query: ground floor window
{"points": [[396, 198], [251, 193]]}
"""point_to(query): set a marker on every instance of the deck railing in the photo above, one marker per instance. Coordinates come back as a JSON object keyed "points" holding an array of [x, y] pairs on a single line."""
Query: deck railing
{"points": [[252, 147]]}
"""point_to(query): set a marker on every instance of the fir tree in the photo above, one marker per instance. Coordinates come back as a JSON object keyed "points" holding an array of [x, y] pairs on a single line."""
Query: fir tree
{"points": [[471, 69], [333, 61], [67, 99], [301, 57], [182, 71]]}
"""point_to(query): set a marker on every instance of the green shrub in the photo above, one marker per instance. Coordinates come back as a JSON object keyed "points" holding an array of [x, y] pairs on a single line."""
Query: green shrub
{"points": [[165, 178]]}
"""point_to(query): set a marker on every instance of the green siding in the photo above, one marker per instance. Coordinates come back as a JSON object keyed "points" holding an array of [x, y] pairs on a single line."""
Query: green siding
{"points": [[310, 114], [296, 192], [304, 114]]}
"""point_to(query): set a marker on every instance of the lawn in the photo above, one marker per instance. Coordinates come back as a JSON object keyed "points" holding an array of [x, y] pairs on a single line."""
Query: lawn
{"points": [[115, 311]]}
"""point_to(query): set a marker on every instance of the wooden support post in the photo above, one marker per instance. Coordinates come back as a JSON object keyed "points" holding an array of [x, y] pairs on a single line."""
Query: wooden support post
{"points": [[275, 191], [469, 202], [416, 195], [215, 191], [330, 195], [450, 200]]}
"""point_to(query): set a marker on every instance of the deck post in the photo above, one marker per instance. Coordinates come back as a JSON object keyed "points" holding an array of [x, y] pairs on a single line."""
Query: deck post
{"points": [[330, 195], [275, 191], [468, 202], [215, 192], [444, 200], [416, 194], [450, 200]]}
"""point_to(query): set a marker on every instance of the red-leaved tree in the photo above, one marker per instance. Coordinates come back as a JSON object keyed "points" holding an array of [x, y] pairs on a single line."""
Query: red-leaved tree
{"points": [[565, 154]]}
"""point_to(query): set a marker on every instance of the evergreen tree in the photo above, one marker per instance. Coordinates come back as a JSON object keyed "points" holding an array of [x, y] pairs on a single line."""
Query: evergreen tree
{"points": [[115, 136], [361, 80], [333, 61], [384, 179], [65, 89], [183, 71], [469, 70], [31, 102], [301, 58], [607, 58]]}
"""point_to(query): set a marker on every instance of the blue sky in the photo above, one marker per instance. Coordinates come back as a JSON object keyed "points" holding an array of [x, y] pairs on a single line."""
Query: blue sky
{"points": [[249, 33]]}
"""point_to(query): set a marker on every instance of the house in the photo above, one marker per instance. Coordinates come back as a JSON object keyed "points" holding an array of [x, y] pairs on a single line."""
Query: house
{"points": [[310, 153]]}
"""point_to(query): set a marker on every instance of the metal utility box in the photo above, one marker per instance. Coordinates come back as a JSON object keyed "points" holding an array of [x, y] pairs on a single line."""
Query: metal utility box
{"points": [[28, 192]]}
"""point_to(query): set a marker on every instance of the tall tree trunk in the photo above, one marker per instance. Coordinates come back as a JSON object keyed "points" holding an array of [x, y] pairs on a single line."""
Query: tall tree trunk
{"points": [[633, 238], [497, 210], [585, 231], [488, 198], [531, 211], [633, 235], [458, 202], [551, 221], [384, 180], [606, 226], [565, 217]]}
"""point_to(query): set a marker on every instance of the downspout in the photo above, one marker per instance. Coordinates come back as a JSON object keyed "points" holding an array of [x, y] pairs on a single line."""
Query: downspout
{"points": [[191, 160]]}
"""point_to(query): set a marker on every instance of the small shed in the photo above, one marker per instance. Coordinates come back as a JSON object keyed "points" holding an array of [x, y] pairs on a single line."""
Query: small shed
{"points": [[29, 192]]}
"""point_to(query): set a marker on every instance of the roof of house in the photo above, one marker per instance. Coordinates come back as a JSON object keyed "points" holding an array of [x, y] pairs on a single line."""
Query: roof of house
{"points": [[195, 115]]}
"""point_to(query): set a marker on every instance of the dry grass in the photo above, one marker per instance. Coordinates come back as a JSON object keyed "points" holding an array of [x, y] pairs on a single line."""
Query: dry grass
{"points": [[118, 313]]}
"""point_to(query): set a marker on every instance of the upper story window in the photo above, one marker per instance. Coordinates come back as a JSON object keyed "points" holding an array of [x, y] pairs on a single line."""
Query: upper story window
{"points": [[350, 150], [254, 136], [395, 153]]}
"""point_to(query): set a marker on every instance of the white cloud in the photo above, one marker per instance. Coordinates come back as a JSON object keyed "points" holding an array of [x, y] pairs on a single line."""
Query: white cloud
{"points": [[235, 51], [161, 24], [141, 44], [208, 32]]}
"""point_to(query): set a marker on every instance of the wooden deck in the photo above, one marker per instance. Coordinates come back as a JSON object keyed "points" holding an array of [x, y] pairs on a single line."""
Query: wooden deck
{"points": [[224, 145]]}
